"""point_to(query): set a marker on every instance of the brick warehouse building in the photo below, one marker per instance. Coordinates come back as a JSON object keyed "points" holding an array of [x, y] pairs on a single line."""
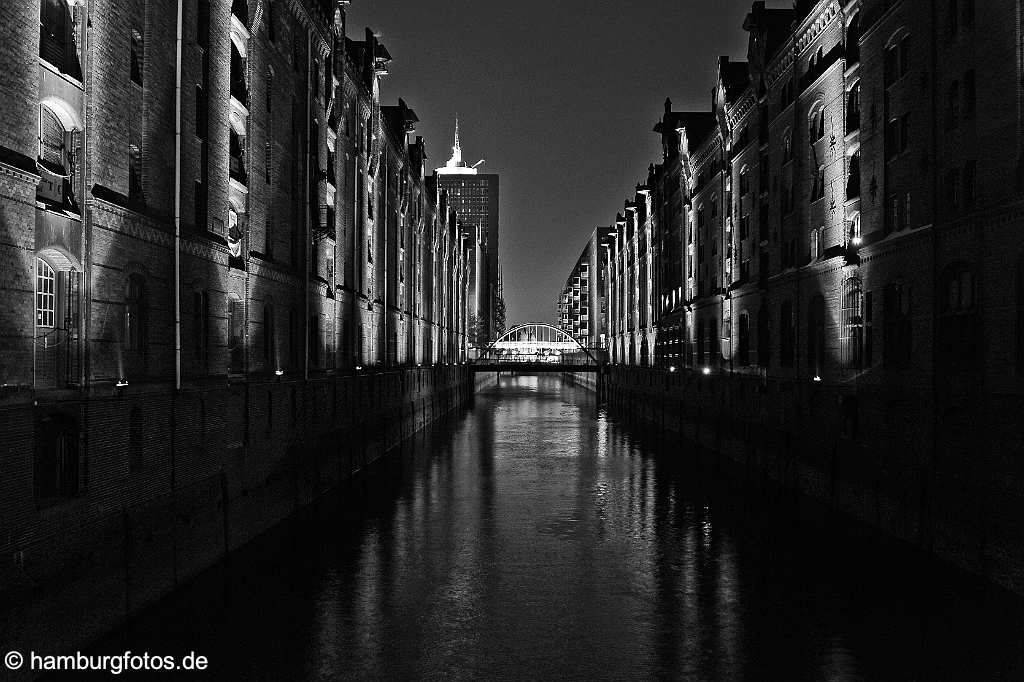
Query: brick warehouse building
{"points": [[207, 319], [839, 287]]}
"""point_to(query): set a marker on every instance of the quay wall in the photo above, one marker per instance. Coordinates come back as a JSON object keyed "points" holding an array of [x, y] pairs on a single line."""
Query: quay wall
{"points": [[951, 487], [218, 465]]}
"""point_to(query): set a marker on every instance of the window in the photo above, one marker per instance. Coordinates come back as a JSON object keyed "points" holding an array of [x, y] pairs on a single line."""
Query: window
{"points": [[787, 147], [787, 334], [816, 335], [853, 177], [200, 206], [201, 329], [714, 207], [853, 108], [897, 215], [137, 56], [896, 325], [897, 60], [744, 226], [853, 41], [953, 188], [134, 322], [202, 107], [55, 465], [134, 173], [959, 338], [272, 22], [952, 17], [817, 242], [852, 324], [56, 35], [744, 182], [818, 191], [58, 149], [236, 153], [236, 330], [268, 161], [897, 136], [743, 333], [818, 124], [967, 13], [203, 23], [269, 84], [45, 297], [970, 180], [239, 86]]}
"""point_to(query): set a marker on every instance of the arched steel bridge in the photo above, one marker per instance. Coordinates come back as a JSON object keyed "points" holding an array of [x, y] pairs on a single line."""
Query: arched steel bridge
{"points": [[536, 347]]}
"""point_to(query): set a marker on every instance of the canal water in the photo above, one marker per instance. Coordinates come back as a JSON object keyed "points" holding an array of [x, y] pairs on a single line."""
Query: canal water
{"points": [[536, 536]]}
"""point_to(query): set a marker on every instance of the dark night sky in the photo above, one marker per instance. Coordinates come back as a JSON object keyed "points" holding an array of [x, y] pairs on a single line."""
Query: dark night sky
{"points": [[559, 96]]}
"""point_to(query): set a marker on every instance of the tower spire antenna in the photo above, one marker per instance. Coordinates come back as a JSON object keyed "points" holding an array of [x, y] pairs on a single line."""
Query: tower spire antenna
{"points": [[457, 149]]}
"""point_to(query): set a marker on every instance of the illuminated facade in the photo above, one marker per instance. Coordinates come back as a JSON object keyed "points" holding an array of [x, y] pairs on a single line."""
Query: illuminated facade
{"points": [[582, 305]]}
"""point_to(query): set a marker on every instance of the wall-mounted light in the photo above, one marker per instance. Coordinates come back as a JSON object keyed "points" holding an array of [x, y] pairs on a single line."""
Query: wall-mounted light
{"points": [[122, 383], [672, 368], [816, 378], [359, 368], [279, 372], [856, 241], [706, 370]]}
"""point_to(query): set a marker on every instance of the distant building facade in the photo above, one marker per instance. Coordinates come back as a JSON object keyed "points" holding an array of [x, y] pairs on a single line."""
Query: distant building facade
{"points": [[582, 305], [474, 196]]}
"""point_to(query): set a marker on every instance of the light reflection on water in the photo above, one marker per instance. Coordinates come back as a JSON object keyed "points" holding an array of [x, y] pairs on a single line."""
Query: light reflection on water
{"points": [[538, 537]]}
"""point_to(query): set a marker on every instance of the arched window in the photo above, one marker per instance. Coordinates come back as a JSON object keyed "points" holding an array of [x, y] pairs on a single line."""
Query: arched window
{"points": [[55, 466], [959, 333], [236, 334], [853, 108], [896, 325], [743, 340], [764, 352], [787, 147], [787, 334], [852, 324], [57, 158], [816, 334], [46, 300], [853, 41], [134, 329], [853, 177], [817, 128]]}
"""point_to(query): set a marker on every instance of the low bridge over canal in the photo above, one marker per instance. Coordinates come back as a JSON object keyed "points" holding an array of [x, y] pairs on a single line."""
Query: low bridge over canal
{"points": [[537, 347]]}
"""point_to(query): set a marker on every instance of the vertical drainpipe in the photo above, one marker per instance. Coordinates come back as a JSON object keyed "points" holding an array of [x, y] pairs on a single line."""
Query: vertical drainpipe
{"points": [[177, 199]]}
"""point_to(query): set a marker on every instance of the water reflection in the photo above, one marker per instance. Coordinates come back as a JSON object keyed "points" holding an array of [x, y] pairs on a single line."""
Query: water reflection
{"points": [[533, 539]]}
